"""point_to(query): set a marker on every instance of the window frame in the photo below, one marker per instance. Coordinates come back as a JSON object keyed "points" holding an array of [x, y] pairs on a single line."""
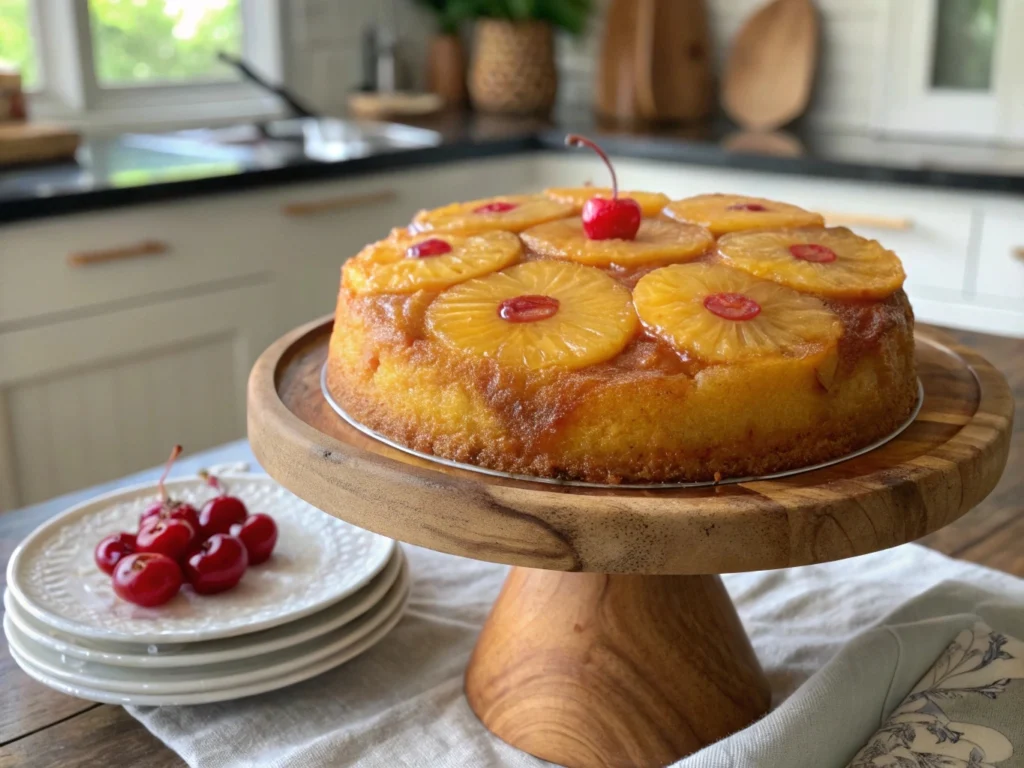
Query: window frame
{"points": [[69, 89], [909, 104]]}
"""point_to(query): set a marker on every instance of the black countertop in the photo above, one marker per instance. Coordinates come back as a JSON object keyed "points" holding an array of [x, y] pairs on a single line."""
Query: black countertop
{"points": [[136, 168]]}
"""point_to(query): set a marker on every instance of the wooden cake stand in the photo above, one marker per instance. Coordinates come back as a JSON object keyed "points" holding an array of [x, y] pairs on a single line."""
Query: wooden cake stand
{"points": [[613, 641]]}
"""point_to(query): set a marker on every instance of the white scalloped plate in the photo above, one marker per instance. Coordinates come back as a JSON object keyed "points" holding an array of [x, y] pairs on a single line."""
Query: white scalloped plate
{"points": [[208, 697], [232, 674], [213, 651], [318, 561]]}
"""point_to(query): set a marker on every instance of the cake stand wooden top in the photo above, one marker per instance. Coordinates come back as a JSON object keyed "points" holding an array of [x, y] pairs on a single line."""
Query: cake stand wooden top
{"points": [[945, 462]]}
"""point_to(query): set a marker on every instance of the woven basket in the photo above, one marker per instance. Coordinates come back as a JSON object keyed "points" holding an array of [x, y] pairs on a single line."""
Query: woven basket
{"points": [[513, 70]]}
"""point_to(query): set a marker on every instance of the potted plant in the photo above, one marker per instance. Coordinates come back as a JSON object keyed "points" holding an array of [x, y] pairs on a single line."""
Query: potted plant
{"points": [[513, 69], [446, 63]]}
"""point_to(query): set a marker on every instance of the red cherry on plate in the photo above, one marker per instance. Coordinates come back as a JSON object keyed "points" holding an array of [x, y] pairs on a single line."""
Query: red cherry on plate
{"points": [[259, 535], [813, 252], [732, 306], [168, 537], [617, 218], [499, 206], [111, 549], [218, 565], [753, 207], [219, 514], [168, 508], [148, 579], [435, 246]]}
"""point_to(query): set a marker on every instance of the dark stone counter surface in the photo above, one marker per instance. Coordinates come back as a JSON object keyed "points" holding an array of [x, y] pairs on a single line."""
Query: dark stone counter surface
{"points": [[137, 168]]}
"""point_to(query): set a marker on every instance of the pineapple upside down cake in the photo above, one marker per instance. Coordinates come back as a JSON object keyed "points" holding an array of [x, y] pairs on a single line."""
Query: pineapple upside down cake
{"points": [[587, 334]]}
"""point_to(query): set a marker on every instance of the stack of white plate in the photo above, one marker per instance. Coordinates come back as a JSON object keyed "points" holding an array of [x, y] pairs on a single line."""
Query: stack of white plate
{"points": [[329, 592]]}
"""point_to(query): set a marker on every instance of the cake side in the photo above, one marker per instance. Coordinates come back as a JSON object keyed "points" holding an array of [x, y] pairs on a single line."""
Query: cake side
{"points": [[648, 415]]}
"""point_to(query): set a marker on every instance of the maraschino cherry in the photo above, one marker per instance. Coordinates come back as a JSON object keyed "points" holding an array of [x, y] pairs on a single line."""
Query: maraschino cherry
{"points": [[617, 218], [168, 508], [435, 246], [498, 206], [732, 306], [528, 309], [813, 252]]}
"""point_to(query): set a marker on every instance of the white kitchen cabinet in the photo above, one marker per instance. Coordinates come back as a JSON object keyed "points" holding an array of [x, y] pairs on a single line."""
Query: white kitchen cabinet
{"points": [[1000, 273], [87, 400], [89, 261]]}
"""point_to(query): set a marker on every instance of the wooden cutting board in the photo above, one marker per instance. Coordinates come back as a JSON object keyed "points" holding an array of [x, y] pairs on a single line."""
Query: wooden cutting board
{"points": [[36, 142], [770, 68], [655, 63]]}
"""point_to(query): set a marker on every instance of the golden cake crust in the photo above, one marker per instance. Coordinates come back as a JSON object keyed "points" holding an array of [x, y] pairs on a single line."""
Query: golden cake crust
{"points": [[649, 414]]}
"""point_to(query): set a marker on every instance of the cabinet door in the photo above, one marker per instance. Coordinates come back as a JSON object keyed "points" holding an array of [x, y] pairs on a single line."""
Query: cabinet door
{"points": [[1001, 257], [90, 400]]}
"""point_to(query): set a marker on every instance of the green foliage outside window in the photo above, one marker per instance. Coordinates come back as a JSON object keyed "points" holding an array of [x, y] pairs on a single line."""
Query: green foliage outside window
{"points": [[138, 40], [15, 41], [570, 15]]}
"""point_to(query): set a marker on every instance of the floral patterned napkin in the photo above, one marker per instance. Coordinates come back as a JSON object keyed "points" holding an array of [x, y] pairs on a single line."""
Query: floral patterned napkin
{"points": [[966, 712]]}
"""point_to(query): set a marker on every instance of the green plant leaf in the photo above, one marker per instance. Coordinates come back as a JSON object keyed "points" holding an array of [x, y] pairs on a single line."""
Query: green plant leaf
{"points": [[570, 15]]}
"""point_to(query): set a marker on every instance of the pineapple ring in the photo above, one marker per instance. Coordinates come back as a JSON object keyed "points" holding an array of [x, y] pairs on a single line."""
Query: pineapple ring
{"points": [[689, 305], [733, 213], [651, 203], [488, 215], [657, 241], [830, 262], [594, 320], [387, 266]]}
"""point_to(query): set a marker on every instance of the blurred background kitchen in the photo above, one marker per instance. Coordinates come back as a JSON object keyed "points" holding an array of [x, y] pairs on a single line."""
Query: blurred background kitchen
{"points": [[180, 180]]}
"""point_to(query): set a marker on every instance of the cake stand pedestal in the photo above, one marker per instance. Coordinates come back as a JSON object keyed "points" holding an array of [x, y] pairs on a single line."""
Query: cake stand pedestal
{"points": [[613, 642]]}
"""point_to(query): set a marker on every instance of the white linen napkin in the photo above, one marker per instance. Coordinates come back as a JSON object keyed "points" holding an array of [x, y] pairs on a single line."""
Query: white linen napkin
{"points": [[842, 644]]}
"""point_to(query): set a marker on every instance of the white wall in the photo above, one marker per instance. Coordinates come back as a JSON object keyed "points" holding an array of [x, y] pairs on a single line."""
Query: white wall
{"points": [[325, 38]]}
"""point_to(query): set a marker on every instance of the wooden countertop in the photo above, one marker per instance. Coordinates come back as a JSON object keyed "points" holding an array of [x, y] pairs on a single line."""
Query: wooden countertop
{"points": [[40, 727]]}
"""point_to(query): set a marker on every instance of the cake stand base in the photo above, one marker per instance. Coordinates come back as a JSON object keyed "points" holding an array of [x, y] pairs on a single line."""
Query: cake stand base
{"points": [[588, 669]]}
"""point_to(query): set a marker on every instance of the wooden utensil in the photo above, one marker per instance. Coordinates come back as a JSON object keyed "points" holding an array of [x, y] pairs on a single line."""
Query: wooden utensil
{"points": [[397, 104], [655, 62], [35, 142], [770, 69]]}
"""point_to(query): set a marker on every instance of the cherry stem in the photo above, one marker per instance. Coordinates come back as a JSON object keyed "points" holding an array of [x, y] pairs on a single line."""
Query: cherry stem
{"points": [[175, 453], [212, 481], [575, 140]]}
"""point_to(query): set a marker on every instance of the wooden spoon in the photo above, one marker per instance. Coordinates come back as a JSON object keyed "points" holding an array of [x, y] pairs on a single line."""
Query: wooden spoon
{"points": [[770, 69]]}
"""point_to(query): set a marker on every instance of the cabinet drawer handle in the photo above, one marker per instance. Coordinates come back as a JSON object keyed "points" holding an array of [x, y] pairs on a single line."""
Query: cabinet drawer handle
{"points": [[341, 203], [862, 220], [143, 248]]}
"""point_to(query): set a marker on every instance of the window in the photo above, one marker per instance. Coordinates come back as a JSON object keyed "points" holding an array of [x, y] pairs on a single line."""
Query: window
{"points": [[140, 41], [17, 43], [965, 44], [125, 62]]}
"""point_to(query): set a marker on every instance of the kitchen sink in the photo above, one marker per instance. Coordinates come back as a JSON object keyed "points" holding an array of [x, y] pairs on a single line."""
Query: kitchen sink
{"points": [[324, 139]]}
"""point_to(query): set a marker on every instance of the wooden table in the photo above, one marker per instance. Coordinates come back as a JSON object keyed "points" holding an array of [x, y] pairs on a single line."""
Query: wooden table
{"points": [[40, 727]]}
